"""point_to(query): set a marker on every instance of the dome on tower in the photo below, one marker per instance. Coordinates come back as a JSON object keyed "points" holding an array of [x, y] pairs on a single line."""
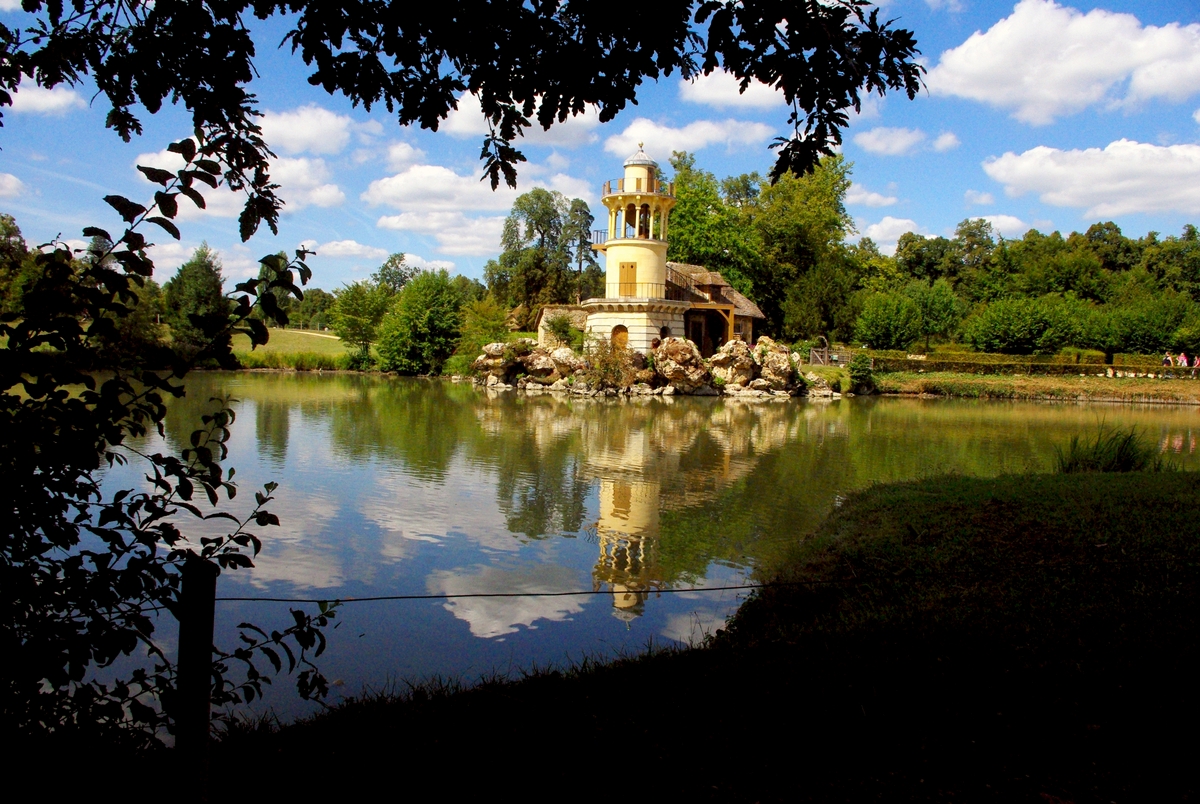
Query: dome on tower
{"points": [[640, 158]]}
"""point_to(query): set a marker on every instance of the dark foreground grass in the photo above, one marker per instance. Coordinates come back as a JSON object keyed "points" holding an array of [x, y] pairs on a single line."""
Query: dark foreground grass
{"points": [[1025, 638]]}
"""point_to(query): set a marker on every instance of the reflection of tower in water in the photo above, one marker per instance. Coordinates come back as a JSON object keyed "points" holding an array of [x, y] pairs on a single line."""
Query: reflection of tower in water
{"points": [[628, 535]]}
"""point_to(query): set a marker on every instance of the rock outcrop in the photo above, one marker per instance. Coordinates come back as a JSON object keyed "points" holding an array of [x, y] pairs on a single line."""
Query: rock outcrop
{"points": [[774, 364], [678, 361], [734, 363]]}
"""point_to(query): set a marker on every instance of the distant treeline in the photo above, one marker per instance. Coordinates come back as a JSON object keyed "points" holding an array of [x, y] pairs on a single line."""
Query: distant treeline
{"points": [[788, 246]]}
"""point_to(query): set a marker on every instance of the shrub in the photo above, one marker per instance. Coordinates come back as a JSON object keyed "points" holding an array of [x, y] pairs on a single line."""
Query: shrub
{"points": [[861, 377], [609, 366], [420, 331], [889, 321], [482, 323], [560, 327], [1027, 326]]}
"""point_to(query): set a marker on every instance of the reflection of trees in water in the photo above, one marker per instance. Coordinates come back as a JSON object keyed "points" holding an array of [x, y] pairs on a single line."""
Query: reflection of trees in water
{"points": [[271, 422]]}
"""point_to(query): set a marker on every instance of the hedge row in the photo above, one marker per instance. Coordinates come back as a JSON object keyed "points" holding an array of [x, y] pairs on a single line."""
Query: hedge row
{"points": [[886, 364]]}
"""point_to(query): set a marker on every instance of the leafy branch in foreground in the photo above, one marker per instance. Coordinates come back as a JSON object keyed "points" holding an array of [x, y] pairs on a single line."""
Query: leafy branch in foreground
{"points": [[84, 571]]}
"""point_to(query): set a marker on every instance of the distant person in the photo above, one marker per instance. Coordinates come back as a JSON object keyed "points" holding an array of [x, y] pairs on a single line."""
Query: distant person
{"points": [[1167, 359], [1182, 360]]}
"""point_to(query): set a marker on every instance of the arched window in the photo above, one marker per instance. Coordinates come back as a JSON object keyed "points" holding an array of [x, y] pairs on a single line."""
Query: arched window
{"points": [[643, 228], [620, 336], [664, 333], [630, 221]]}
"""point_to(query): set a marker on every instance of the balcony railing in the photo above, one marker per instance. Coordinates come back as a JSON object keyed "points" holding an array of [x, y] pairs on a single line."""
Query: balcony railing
{"points": [[643, 186], [648, 290]]}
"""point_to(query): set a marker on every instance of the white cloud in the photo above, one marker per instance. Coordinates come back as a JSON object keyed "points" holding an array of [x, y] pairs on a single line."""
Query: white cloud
{"points": [[417, 261], [660, 140], [455, 232], [310, 128], [1196, 115], [10, 5], [401, 155], [946, 141], [977, 197], [888, 231], [1007, 225], [1045, 61], [949, 5], [498, 616], [437, 188], [1124, 177], [468, 121], [305, 182], [890, 141], [722, 89], [861, 195], [10, 186], [347, 248], [32, 99]]}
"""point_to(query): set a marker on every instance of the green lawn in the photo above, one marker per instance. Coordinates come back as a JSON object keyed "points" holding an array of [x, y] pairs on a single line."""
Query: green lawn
{"points": [[294, 340]]}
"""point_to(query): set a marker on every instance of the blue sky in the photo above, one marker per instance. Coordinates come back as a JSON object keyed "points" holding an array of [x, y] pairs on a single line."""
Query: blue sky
{"points": [[1037, 114]]}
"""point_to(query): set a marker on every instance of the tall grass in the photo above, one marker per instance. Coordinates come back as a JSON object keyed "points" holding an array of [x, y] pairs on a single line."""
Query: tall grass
{"points": [[296, 361], [1110, 450]]}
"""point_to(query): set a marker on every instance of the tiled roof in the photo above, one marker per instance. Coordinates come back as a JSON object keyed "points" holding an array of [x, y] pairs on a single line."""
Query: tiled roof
{"points": [[721, 290]]}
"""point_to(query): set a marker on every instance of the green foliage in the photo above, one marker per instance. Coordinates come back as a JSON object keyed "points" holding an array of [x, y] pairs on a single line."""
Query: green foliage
{"points": [[482, 323], [313, 311], [1110, 450], [560, 327], [1025, 326], [540, 237], [357, 311], [937, 308], [889, 321], [861, 377], [195, 301], [394, 274], [421, 329], [704, 230]]}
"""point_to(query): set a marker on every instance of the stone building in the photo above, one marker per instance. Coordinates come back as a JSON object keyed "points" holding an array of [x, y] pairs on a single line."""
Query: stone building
{"points": [[646, 297]]}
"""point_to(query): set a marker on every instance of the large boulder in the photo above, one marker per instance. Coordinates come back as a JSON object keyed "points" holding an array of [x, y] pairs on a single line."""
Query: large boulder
{"points": [[774, 363], [567, 362], [734, 363], [540, 367], [678, 361]]}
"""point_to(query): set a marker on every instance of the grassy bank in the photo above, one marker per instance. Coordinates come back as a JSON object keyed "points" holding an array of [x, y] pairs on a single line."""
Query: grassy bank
{"points": [[1026, 638], [299, 350], [1064, 388]]}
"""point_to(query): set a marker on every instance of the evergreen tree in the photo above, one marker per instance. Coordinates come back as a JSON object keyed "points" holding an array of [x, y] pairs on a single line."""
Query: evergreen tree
{"points": [[191, 297]]}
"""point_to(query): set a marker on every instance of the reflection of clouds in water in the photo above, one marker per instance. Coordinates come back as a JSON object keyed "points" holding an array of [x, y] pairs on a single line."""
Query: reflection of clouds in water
{"points": [[407, 509], [301, 550], [497, 616], [694, 626]]}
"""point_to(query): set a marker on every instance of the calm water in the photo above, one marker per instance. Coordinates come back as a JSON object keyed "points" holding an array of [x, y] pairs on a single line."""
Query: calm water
{"points": [[392, 487]]}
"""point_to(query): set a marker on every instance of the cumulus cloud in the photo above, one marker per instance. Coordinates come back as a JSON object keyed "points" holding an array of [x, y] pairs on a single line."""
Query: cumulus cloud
{"points": [[722, 89], [886, 232], [303, 182], [660, 140], [310, 128], [401, 155], [10, 186], [346, 248], [889, 141], [1122, 178], [10, 5], [1007, 225], [859, 194], [1196, 115], [946, 141], [434, 200], [498, 616], [420, 263], [978, 197], [468, 121], [456, 233], [32, 99], [1046, 61]]}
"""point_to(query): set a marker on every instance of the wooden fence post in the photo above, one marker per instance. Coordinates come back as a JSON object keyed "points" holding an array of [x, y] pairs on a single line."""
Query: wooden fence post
{"points": [[197, 601]]}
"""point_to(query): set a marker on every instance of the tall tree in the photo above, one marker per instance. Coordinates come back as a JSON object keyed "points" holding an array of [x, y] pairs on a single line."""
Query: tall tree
{"points": [[577, 234], [394, 274], [703, 230], [194, 300], [357, 310], [534, 267]]}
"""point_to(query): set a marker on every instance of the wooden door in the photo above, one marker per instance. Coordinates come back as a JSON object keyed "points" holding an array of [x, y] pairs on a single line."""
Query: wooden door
{"points": [[628, 279]]}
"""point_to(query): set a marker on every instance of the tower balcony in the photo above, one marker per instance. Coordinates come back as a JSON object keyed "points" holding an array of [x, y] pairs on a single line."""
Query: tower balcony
{"points": [[651, 186], [600, 238]]}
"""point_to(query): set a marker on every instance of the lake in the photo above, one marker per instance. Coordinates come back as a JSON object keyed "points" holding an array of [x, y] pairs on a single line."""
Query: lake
{"points": [[411, 487]]}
